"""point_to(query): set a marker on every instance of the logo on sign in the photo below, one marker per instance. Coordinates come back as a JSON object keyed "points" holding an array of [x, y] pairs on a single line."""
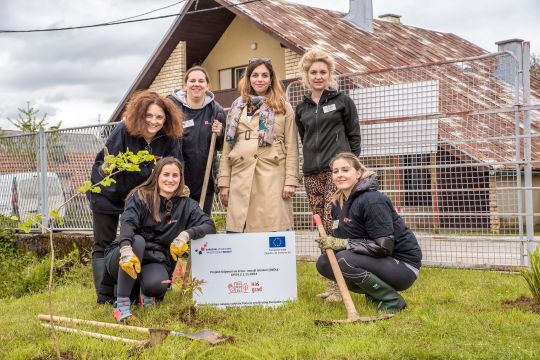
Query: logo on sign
{"points": [[201, 249], [276, 241]]}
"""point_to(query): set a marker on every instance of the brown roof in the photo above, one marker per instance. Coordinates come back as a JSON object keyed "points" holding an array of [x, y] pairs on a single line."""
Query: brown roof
{"points": [[390, 45], [301, 27]]}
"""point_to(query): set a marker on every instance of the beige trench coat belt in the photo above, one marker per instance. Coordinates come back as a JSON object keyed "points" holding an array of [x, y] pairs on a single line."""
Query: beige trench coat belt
{"points": [[247, 135]]}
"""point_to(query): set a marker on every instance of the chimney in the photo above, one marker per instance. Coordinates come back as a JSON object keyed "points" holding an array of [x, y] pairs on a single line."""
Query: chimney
{"points": [[393, 18], [505, 66], [361, 14]]}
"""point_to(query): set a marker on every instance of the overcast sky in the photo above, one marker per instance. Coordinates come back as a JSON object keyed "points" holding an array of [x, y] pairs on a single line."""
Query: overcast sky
{"points": [[79, 76]]}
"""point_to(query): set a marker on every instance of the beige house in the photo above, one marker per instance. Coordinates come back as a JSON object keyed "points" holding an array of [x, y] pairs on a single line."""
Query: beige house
{"points": [[222, 35], [227, 34]]}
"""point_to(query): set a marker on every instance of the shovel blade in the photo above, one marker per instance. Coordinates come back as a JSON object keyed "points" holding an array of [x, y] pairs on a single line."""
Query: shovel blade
{"points": [[210, 336]]}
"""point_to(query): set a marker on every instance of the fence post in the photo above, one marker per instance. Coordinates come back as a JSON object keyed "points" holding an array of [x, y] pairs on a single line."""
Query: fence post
{"points": [[43, 179], [529, 219]]}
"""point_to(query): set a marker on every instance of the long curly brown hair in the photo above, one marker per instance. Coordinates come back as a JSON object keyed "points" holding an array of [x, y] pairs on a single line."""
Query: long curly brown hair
{"points": [[135, 114]]}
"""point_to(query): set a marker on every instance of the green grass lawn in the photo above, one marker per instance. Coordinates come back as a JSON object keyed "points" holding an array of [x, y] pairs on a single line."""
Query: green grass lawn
{"points": [[452, 314]]}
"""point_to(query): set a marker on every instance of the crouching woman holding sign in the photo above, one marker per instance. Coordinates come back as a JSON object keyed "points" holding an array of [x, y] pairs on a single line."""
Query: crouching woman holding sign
{"points": [[156, 226], [377, 253]]}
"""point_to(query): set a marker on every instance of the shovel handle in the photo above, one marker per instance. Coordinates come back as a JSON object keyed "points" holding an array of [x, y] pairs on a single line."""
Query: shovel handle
{"points": [[208, 169], [97, 335], [201, 202], [68, 320], [352, 314]]}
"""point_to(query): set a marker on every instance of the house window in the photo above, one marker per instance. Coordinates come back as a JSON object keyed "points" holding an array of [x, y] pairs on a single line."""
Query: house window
{"points": [[229, 78]]}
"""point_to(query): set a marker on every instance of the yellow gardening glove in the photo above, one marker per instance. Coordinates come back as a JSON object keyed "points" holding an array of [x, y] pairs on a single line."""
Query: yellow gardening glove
{"points": [[330, 242], [108, 162], [179, 245], [129, 262]]}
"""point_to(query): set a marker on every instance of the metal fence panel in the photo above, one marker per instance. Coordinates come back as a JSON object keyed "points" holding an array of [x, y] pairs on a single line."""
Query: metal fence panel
{"points": [[448, 140], [448, 143]]}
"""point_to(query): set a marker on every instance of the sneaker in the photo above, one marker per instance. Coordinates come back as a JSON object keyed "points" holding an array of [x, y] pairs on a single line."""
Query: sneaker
{"points": [[122, 312], [147, 301]]}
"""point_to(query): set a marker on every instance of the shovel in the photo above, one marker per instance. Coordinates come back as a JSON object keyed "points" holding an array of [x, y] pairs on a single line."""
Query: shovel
{"points": [[201, 202], [156, 335], [352, 314]]}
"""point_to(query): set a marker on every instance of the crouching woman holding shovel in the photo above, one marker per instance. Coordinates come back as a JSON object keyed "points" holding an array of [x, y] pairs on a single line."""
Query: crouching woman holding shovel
{"points": [[158, 222], [377, 253]]}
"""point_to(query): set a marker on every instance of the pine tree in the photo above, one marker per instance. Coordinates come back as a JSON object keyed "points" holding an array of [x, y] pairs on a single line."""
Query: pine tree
{"points": [[28, 122], [535, 66]]}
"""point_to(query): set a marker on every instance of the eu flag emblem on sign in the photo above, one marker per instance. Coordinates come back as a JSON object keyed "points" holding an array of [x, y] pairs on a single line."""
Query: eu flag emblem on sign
{"points": [[276, 241]]}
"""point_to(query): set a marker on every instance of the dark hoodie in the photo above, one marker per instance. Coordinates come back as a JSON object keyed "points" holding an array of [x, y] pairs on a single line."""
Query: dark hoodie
{"points": [[326, 129], [369, 214], [196, 141]]}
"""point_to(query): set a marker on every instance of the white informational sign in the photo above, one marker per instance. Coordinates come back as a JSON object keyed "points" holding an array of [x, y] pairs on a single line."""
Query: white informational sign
{"points": [[245, 269]]}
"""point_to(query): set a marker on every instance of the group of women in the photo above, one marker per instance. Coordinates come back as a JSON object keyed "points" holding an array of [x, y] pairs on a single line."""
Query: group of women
{"points": [[257, 179]]}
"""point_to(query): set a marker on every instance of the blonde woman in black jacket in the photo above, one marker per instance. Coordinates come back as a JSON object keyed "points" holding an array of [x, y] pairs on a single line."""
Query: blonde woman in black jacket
{"points": [[327, 122]]}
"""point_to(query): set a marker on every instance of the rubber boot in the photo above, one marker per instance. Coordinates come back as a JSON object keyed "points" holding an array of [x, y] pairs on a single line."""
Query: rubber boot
{"points": [[122, 310], [377, 290], [98, 268], [372, 301], [98, 272]]}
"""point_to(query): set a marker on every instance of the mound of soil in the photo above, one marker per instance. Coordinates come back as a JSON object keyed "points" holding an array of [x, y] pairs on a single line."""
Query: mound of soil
{"points": [[524, 303]]}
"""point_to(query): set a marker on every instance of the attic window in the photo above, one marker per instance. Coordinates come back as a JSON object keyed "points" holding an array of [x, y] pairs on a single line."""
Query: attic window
{"points": [[229, 78]]}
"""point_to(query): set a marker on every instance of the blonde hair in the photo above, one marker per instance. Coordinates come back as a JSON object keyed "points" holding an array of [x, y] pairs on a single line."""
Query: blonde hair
{"points": [[275, 97], [315, 55], [354, 161]]}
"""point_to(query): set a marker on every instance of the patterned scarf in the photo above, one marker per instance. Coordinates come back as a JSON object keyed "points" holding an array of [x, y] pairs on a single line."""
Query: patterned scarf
{"points": [[255, 105]]}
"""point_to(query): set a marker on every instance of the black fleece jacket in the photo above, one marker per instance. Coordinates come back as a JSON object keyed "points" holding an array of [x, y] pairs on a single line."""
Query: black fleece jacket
{"points": [[326, 129], [368, 215], [184, 215], [196, 142]]}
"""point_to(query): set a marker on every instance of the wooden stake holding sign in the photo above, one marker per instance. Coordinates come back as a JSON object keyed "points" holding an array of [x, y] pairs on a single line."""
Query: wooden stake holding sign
{"points": [[352, 314]]}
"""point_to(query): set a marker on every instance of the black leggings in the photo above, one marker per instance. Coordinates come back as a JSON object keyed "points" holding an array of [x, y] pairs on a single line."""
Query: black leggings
{"points": [[151, 276], [355, 267], [104, 226]]}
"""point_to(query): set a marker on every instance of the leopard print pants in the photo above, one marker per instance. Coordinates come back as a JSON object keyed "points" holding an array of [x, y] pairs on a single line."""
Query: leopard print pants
{"points": [[320, 189]]}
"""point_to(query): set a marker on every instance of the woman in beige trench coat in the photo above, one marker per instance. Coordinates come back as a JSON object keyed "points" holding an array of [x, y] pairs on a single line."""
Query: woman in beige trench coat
{"points": [[258, 172]]}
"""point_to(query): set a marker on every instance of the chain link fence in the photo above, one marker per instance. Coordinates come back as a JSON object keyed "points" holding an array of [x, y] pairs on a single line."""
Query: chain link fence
{"points": [[456, 146], [451, 146]]}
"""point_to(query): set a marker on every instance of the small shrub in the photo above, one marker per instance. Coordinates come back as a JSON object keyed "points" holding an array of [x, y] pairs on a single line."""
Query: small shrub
{"points": [[532, 275], [24, 273], [219, 221]]}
